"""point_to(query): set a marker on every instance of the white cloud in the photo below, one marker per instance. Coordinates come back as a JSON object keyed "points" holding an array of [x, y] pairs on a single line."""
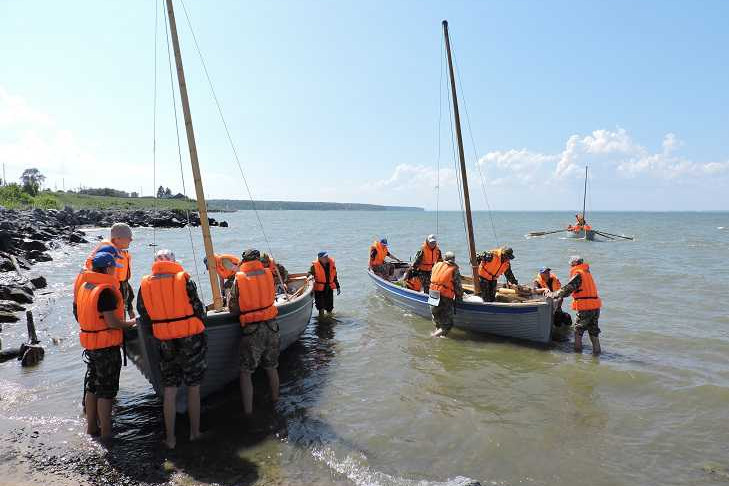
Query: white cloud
{"points": [[15, 112], [522, 165], [408, 177]]}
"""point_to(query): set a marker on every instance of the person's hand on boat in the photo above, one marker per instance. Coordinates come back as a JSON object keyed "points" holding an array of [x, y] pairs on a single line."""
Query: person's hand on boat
{"points": [[339, 291]]}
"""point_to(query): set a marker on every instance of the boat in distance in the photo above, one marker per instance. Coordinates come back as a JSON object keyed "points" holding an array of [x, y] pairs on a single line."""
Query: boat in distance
{"points": [[528, 321], [223, 336]]}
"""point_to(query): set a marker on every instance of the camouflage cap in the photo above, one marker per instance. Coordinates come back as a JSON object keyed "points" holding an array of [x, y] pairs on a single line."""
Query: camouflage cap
{"points": [[576, 260], [509, 252], [250, 255], [449, 256]]}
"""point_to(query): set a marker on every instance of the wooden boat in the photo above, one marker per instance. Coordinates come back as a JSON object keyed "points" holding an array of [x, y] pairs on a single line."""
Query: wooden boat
{"points": [[583, 234], [222, 328], [528, 321], [223, 332]]}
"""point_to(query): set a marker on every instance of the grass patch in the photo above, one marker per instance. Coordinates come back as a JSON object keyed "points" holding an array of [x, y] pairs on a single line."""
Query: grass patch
{"points": [[13, 197]]}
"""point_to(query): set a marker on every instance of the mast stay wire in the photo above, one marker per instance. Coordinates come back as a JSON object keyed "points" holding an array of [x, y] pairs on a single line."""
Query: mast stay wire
{"points": [[473, 145], [230, 139], [154, 127], [179, 156], [440, 117]]}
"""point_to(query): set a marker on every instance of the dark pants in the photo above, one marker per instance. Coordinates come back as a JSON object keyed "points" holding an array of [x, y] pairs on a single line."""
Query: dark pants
{"points": [[324, 299], [424, 280], [443, 315], [488, 289]]}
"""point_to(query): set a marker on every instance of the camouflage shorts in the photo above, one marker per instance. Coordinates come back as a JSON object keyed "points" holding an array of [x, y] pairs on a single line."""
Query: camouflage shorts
{"points": [[259, 345], [587, 321], [183, 360], [443, 315], [103, 367]]}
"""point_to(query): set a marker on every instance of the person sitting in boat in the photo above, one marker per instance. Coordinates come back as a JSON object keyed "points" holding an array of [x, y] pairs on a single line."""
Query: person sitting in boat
{"points": [[324, 271], [226, 265], [428, 255], [168, 302], [98, 306], [546, 281], [412, 281], [492, 265], [445, 282], [252, 299], [273, 265], [378, 253], [585, 300]]}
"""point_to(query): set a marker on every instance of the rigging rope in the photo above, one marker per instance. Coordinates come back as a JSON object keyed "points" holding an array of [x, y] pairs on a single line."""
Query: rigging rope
{"points": [[179, 156], [230, 138], [440, 117], [473, 145], [154, 128]]}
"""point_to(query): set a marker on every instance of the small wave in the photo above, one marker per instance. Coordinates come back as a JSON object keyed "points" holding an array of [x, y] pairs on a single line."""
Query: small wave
{"points": [[355, 469]]}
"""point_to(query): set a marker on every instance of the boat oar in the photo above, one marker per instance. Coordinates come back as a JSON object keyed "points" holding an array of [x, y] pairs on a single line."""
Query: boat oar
{"points": [[542, 233], [604, 233]]}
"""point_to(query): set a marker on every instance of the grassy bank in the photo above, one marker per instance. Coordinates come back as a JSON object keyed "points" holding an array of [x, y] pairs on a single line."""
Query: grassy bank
{"points": [[12, 197]]}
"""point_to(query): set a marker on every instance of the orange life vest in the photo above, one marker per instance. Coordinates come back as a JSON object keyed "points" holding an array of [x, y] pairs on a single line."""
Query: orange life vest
{"points": [[414, 283], [379, 258], [223, 263], [430, 258], [95, 333], [495, 268], [552, 284], [320, 276], [587, 227], [256, 293], [441, 279], [585, 298], [167, 303], [124, 258]]}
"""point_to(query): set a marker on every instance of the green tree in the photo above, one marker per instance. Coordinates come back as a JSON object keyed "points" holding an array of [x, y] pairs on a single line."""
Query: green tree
{"points": [[32, 180]]}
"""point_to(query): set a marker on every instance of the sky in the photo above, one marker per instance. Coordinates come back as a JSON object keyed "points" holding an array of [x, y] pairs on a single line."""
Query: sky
{"points": [[347, 101]]}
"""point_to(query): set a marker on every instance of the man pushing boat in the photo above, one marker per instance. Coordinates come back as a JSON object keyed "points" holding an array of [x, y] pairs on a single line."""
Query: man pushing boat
{"points": [[445, 289]]}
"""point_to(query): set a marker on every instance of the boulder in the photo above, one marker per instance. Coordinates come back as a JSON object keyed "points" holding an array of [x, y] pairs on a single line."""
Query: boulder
{"points": [[39, 256], [77, 237], [39, 282], [16, 294], [8, 317], [33, 245], [10, 306], [223, 224]]}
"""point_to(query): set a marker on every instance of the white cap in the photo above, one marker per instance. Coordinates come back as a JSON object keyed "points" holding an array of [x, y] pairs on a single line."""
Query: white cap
{"points": [[164, 256], [431, 239]]}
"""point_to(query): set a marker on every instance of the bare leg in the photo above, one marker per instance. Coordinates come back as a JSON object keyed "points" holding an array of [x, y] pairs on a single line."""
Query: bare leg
{"points": [[170, 410], [246, 390], [273, 382], [92, 427], [193, 411], [103, 407], [595, 345], [578, 342]]}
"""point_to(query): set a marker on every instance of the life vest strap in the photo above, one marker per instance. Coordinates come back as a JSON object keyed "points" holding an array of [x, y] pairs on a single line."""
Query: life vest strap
{"points": [[174, 319], [255, 273], [585, 298], [255, 310], [100, 330]]}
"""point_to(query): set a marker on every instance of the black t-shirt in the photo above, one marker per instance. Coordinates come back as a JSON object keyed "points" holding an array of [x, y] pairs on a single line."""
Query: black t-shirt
{"points": [[107, 301]]}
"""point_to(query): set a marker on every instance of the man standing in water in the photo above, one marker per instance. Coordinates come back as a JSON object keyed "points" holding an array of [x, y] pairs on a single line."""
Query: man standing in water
{"points": [[585, 301], [120, 238], [325, 282], [252, 299], [98, 308], [445, 289], [425, 258], [168, 301]]}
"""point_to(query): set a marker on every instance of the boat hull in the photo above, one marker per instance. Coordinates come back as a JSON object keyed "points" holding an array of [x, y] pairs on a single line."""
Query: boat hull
{"points": [[588, 235], [525, 321], [223, 335]]}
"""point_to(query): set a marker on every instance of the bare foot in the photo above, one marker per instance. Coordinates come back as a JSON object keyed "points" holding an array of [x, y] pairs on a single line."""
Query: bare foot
{"points": [[436, 333]]}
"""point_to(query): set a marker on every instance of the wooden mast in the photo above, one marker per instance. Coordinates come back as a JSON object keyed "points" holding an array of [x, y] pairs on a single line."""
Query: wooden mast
{"points": [[464, 179], [201, 206]]}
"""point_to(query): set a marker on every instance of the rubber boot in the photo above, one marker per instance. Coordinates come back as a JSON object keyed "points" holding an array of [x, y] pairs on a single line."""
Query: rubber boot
{"points": [[595, 345], [578, 342]]}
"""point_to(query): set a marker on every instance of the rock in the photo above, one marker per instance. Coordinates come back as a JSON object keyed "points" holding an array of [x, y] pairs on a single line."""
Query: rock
{"points": [[33, 245], [8, 317], [223, 224], [39, 282], [17, 294], [39, 256], [10, 306], [77, 237]]}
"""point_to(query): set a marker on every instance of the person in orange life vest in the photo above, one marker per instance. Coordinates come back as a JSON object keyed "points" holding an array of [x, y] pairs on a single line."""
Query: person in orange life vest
{"points": [[252, 299], [428, 255], [120, 237], [167, 301], [446, 281], [111, 249], [492, 265], [545, 282], [324, 271], [585, 301], [98, 308], [412, 281], [378, 252], [226, 266]]}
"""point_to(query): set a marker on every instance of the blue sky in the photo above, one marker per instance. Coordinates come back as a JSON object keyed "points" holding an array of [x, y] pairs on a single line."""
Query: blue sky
{"points": [[339, 100]]}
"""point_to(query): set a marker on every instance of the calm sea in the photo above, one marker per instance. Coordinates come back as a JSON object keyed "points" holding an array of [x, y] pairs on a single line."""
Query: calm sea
{"points": [[371, 399]]}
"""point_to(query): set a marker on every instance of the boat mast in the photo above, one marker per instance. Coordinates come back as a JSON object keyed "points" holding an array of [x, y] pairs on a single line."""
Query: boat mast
{"points": [[584, 198], [200, 195], [464, 179]]}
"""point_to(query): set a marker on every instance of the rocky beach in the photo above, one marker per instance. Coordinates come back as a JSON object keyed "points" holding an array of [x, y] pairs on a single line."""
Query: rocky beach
{"points": [[27, 236]]}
